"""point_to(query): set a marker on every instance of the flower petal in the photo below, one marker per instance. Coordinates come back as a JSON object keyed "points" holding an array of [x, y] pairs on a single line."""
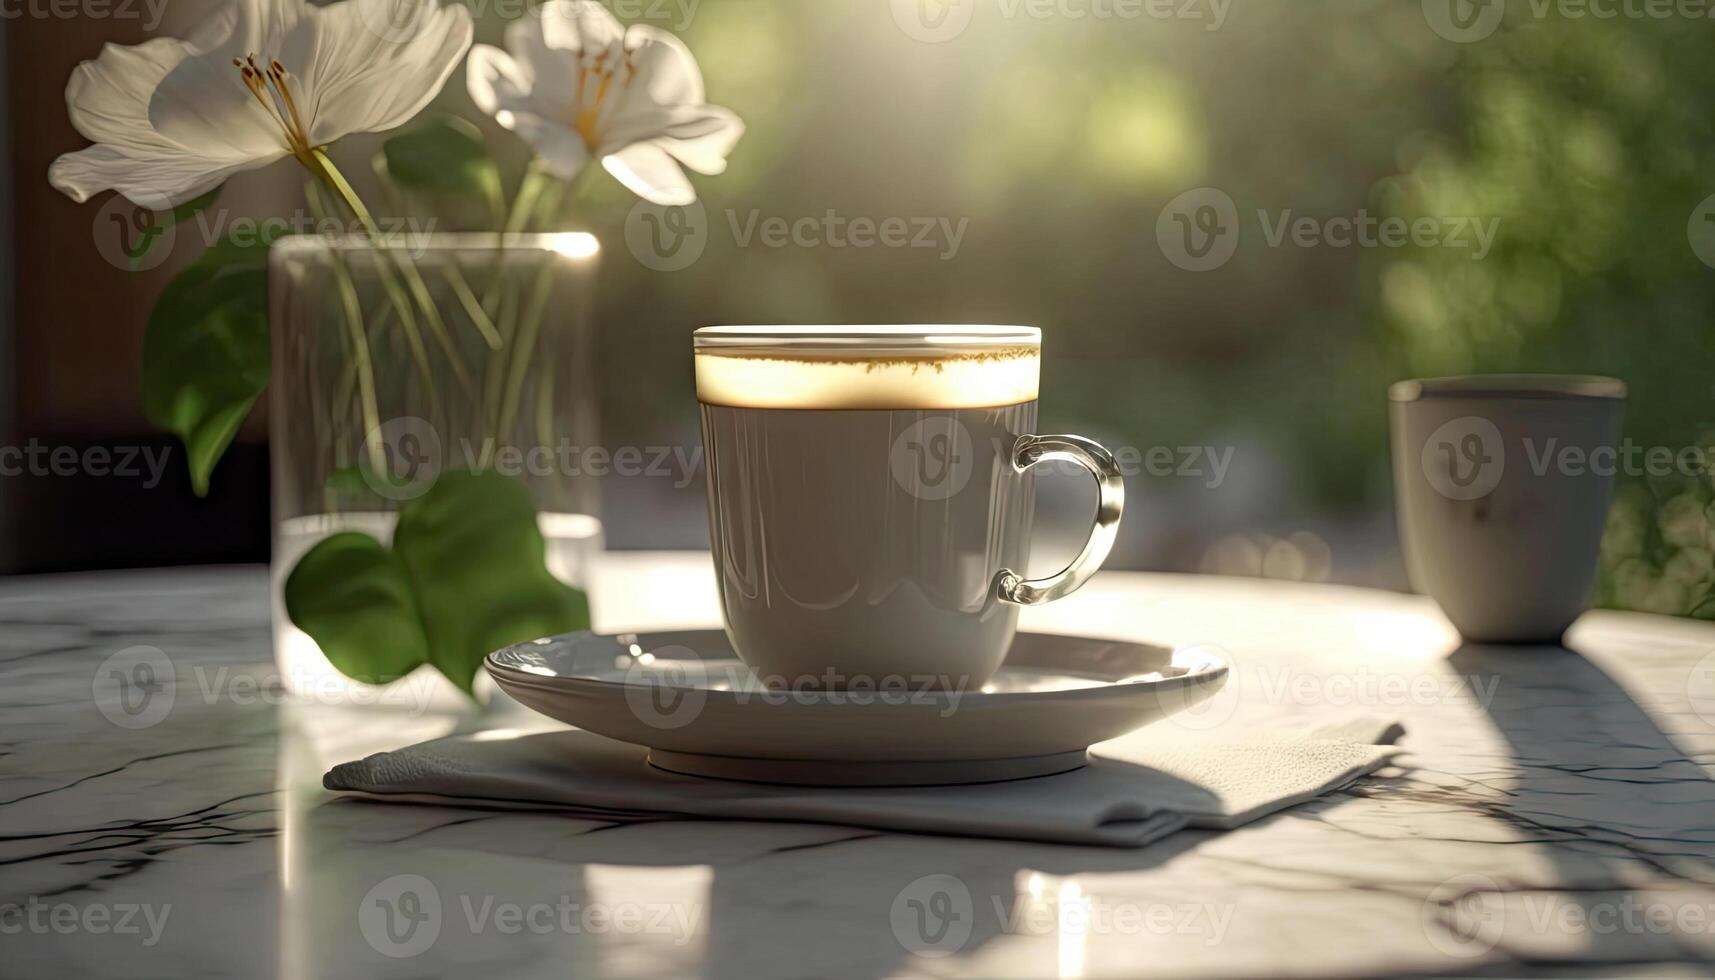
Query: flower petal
{"points": [[157, 183], [108, 98], [202, 105], [561, 149], [370, 65], [667, 72], [573, 24], [707, 153], [651, 174], [701, 136], [552, 72], [495, 80]]}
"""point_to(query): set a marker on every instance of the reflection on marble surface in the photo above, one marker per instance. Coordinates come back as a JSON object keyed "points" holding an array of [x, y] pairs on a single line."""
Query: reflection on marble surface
{"points": [[161, 814]]}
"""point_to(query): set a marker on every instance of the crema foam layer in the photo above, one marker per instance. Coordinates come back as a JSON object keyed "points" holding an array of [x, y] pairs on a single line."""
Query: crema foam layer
{"points": [[1004, 376]]}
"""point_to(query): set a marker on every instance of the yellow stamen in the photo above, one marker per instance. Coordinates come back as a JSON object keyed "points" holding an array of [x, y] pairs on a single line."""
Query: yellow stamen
{"points": [[595, 84], [270, 90]]}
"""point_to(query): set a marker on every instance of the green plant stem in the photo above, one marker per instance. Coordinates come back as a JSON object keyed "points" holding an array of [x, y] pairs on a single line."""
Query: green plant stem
{"points": [[396, 296], [516, 220], [495, 375], [530, 323], [528, 329], [362, 366], [413, 279], [365, 375], [536, 180], [473, 307], [479, 317]]}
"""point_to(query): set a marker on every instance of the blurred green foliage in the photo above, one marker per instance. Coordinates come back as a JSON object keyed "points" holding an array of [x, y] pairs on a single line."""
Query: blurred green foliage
{"points": [[1061, 139]]}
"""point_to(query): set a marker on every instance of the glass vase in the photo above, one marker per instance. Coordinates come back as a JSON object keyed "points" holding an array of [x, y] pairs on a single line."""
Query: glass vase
{"points": [[393, 365]]}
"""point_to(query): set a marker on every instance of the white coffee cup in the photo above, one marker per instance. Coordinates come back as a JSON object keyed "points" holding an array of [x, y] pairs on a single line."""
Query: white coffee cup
{"points": [[1502, 484]]}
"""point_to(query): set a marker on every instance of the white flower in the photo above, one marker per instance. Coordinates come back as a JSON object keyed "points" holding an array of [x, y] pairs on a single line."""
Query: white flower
{"points": [[578, 85], [264, 79]]}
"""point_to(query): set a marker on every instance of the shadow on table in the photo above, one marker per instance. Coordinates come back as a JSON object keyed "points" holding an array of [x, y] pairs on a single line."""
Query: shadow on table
{"points": [[1599, 785], [784, 899]]}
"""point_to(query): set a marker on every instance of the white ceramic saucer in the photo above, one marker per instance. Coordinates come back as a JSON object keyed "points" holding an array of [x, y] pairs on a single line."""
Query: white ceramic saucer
{"points": [[701, 711]]}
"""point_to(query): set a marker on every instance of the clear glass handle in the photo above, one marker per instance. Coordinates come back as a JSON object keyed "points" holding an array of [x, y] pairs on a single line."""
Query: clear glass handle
{"points": [[1110, 501]]}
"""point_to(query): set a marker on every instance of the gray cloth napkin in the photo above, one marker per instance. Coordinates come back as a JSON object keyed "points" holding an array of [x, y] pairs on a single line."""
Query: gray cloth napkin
{"points": [[1136, 789]]}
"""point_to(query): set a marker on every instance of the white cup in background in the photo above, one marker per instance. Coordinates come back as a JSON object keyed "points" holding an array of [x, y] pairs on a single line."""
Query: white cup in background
{"points": [[1502, 484]]}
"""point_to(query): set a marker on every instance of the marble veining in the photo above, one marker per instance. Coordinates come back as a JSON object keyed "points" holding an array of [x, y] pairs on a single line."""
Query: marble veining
{"points": [[1554, 812]]}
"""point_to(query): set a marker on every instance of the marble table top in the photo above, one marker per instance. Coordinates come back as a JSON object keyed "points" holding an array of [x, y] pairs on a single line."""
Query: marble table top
{"points": [[1554, 813]]}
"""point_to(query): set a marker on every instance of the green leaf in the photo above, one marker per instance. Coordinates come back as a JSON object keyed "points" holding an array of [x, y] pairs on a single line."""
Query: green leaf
{"points": [[167, 219], [205, 351], [467, 575], [353, 597], [478, 566], [445, 155]]}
